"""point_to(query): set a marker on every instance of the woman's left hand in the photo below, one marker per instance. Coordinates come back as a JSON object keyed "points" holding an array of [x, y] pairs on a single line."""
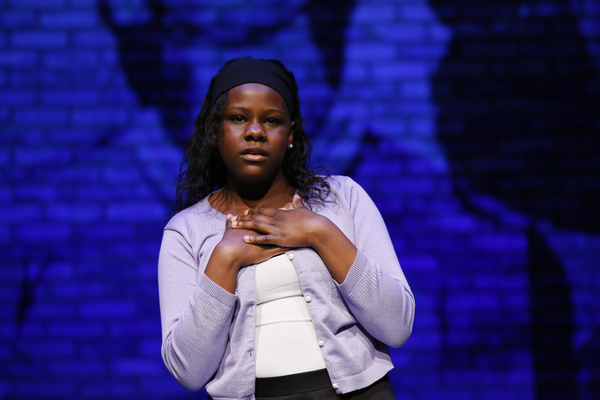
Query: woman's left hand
{"points": [[285, 228], [300, 227]]}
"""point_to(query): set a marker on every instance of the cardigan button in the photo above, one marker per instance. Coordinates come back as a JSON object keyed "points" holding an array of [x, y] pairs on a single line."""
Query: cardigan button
{"points": [[291, 256], [335, 385], [308, 299], [321, 343]]}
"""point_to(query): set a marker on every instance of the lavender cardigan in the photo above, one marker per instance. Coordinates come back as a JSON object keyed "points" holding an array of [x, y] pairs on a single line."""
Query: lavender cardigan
{"points": [[208, 333]]}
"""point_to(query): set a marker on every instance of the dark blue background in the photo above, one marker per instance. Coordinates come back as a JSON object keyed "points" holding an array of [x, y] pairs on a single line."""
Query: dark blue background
{"points": [[473, 125]]}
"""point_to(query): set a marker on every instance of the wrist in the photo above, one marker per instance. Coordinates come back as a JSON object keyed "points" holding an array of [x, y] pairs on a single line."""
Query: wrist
{"points": [[334, 248], [222, 268], [226, 257], [319, 230]]}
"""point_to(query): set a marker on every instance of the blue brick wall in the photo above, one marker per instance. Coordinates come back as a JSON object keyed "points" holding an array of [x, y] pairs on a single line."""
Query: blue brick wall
{"points": [[473, 127]]}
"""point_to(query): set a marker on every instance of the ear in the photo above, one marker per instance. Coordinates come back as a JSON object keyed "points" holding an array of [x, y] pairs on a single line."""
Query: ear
{"points": [[291, 135], [213, 136]]}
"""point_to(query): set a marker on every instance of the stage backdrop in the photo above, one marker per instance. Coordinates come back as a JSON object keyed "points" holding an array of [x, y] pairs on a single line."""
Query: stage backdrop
{"points": [[474, 126]]}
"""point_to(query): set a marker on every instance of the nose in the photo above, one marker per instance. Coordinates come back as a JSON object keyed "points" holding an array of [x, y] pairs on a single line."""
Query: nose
{"points": [[254, 132]]}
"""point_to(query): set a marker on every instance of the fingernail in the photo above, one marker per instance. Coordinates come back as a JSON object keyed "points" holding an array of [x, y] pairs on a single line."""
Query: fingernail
{"points": [[246, 238]]}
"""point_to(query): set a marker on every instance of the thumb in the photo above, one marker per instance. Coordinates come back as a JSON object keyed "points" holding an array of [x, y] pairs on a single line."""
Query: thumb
{"points": [[297, 202]]}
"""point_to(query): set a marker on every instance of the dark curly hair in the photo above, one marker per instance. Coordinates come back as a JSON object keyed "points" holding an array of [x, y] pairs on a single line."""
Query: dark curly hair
{"points": [[202, 170]]}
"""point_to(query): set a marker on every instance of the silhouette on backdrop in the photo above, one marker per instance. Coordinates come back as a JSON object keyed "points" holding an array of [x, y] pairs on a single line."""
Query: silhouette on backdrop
{"points": [[164, 80], [518, 99]]}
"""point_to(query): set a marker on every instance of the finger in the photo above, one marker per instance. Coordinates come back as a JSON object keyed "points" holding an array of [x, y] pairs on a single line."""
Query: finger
{"points": [[254, 225], [297, 202], [261, 211], [228, 220], [261, 239], [253, 217]]}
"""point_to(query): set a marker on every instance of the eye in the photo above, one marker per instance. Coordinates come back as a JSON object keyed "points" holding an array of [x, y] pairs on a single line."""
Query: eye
{"points": [[272, 121], [236, 118]]}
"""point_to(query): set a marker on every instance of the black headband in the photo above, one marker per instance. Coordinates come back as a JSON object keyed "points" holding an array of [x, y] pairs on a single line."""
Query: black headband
{"points": [[248, 70]]}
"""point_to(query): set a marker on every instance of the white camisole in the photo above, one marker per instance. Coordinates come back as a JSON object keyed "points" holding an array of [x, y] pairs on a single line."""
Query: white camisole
{"points": [[286, 342]]}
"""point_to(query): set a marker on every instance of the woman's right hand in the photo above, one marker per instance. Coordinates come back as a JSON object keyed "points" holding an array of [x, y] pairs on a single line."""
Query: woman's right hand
{"points": [[232, 253], [244, 253]]}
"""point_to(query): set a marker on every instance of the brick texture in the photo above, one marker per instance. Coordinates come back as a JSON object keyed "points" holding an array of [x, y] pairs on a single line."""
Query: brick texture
{"points": [[474, 128]]}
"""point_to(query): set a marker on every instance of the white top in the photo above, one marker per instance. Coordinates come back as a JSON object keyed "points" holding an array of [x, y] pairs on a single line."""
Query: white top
{"points": [[286, 342]]}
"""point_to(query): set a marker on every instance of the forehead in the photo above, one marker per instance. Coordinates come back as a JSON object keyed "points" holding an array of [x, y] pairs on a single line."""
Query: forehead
{"points": [[249, 92]]}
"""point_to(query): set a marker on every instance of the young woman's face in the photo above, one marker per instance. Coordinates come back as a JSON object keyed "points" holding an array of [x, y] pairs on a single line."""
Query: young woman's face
{"points": [[257, 131]]}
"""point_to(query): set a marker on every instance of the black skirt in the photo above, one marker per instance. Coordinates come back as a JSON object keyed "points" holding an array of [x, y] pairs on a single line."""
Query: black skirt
{"points": [[315, 385]]}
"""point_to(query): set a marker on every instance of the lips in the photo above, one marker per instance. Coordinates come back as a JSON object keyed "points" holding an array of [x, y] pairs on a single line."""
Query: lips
{"points": [[254, 154]]}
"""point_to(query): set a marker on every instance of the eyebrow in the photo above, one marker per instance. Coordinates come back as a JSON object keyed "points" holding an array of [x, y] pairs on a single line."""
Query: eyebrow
{"points": [[239, 108]]}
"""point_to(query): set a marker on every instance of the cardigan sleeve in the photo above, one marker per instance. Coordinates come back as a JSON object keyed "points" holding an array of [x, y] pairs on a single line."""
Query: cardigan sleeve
{"points": [[195, 312], [375, 289]]}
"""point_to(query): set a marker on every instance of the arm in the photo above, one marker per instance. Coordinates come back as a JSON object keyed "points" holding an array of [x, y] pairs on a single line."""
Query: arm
{"points": [[365, 268], [197, 304], [375, 288], [195, 314]]}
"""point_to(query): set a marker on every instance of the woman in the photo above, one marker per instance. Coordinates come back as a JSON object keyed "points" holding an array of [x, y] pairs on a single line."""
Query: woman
{"points": [[275, 282]]}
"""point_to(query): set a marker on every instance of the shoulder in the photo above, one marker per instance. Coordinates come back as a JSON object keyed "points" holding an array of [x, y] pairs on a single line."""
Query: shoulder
{"points": [[345, 186], [199, 216], [345, 194], [339, 182]]}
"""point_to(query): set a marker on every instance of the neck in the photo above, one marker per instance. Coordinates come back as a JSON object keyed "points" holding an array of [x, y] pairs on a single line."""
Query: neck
{"points": [[237, 197]]}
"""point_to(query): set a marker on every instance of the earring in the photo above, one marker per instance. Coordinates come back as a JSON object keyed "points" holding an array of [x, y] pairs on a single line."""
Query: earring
{"points": [[291, 146]]}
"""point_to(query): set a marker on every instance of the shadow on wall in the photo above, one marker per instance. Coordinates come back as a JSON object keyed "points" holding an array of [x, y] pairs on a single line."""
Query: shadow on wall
{"points": [[166, 82], [518, 97]]}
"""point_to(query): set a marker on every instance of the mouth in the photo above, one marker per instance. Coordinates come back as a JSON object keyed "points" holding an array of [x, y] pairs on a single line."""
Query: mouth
{"points": [[254, 154]]}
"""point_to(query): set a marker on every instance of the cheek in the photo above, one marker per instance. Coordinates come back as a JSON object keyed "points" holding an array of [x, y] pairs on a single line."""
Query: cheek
{"points": [[226, 140], [222, 151], [222, 148]]}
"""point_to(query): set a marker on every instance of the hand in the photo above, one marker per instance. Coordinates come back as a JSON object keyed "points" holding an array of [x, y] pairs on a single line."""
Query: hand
{"points": [[234, 244], [299, 227], [280, 227], [232, 253]]}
